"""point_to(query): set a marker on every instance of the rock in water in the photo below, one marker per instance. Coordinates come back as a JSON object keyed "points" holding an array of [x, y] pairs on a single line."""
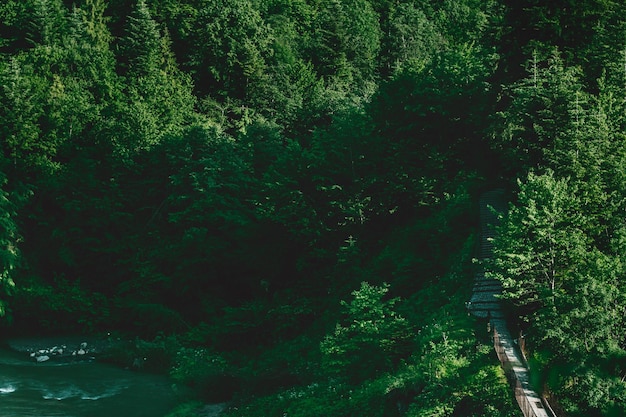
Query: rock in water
{"points": [[43, 358]]}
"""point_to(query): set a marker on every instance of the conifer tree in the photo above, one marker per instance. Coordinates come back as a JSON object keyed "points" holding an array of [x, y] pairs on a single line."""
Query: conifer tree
{"points": [[22, 96], [158, 96], [414, 38], [346, 42], [231, 44], [49, 22], [142, 42], [543, 108], [9, 239]]}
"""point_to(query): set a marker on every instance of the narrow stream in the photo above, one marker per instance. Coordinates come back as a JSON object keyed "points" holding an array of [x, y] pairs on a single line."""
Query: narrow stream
{"points": [[79, 389]]}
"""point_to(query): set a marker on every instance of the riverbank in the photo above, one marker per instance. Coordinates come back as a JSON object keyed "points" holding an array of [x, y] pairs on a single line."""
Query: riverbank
{"points": [[84, 388], [131, 357]]}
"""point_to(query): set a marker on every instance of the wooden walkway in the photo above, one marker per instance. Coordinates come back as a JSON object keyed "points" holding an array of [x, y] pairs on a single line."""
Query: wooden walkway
{"points": [[485, 304]]}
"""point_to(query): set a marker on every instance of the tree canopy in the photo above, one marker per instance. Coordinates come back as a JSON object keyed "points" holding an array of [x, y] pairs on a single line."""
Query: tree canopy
{"points": [[289, 188]]}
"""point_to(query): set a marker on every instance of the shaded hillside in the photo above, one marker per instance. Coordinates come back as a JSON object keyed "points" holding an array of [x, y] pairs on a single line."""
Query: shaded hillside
{"points": [[239, 182]]}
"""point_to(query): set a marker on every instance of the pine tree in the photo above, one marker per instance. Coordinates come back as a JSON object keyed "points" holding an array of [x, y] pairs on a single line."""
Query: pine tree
{"points": [[542, 110], [413, 37], [22, 97], [231, 44], [49, 22], [346, 42], [142, 43], [9, 240], [158, 96]]}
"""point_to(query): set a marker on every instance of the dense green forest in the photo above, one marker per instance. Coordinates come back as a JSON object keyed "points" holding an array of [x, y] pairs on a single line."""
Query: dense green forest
{"points": [[278, 198]]}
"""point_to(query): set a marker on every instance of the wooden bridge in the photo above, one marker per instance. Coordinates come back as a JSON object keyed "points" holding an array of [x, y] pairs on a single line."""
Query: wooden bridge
{"points": [[485, 304]]}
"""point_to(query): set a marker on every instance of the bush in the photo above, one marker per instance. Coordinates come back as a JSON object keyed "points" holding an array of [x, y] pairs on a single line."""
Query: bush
{"points": [[206, 372], [371, 338]]}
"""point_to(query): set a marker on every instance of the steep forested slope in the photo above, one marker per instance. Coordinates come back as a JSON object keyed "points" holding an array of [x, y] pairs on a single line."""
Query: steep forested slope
{"points": [[217, 176]]}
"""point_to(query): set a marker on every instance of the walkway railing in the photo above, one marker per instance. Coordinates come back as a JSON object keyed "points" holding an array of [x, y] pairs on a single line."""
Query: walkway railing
{"points": [[531, 404]]}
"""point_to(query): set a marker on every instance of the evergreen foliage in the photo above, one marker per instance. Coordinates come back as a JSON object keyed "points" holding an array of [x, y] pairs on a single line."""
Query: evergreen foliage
{"points": [[280, 194], [556, 252], [372, 338], [9, 241]]}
